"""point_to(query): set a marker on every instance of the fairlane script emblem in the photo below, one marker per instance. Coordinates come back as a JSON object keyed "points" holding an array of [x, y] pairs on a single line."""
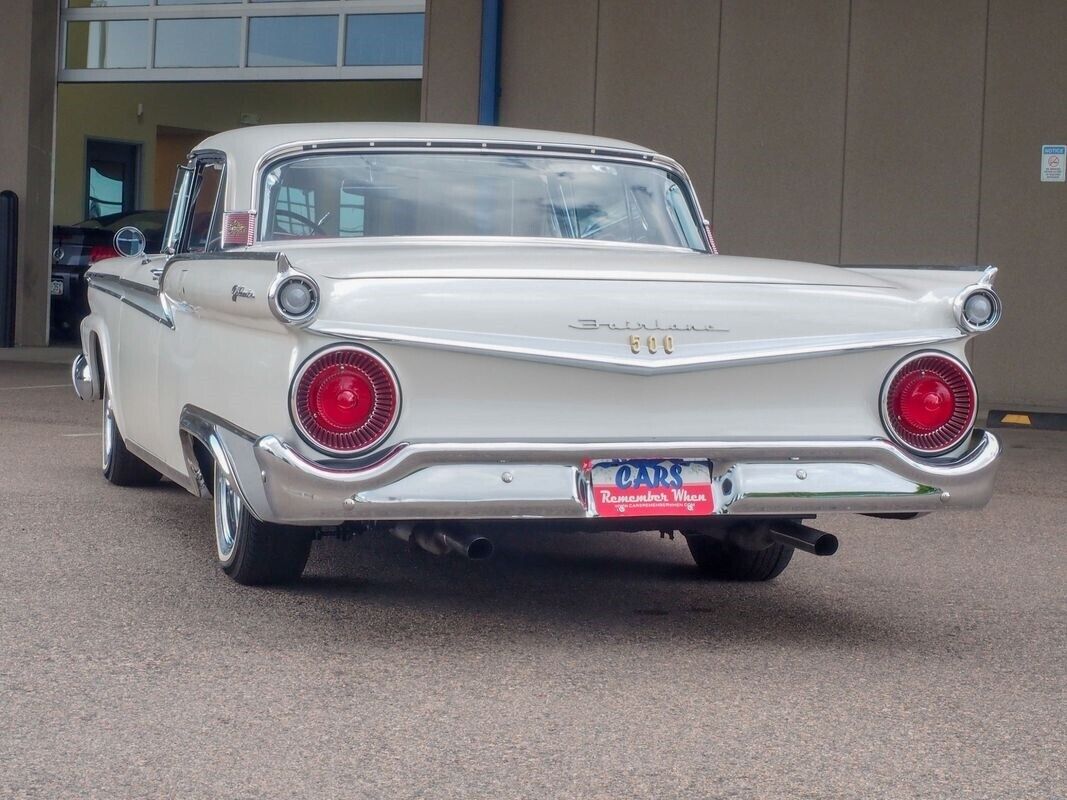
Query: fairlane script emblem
{"points": [[241, 291], [655, 325]]}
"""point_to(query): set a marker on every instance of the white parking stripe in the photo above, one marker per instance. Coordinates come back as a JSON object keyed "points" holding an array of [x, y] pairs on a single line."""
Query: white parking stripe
{"points": [[15, 388], [73, 435]]}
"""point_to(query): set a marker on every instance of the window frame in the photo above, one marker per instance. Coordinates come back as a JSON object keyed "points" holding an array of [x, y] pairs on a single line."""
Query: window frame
{"points": [[131, 156], [179, 202], [246, 10], [176, 236]]}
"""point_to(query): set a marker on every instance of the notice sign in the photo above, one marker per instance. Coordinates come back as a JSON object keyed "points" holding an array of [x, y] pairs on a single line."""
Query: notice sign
{"points": [[1053, 163]]}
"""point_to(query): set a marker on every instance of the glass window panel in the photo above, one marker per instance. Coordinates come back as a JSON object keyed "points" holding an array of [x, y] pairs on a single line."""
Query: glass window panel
{"points": [[111, 177], [198, 42], [205, 218], [451, 194], [193, 2], [350, 218], [382, 39], [294, 212], [104, 3], [292, 41], [179, 203], [105, 192], [110, 44]]}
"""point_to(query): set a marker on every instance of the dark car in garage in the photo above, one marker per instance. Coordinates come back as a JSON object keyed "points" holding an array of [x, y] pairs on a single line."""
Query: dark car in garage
{"points": [[76, 247]]}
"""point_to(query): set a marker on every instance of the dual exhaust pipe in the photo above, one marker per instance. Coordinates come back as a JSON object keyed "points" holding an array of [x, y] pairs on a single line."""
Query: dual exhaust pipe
{"points": [[818, 543], [439, 539]]}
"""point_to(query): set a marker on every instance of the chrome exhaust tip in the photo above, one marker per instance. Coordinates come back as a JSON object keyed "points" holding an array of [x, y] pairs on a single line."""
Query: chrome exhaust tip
{"points": [[439, 539], [470, 545], [818, 543]]}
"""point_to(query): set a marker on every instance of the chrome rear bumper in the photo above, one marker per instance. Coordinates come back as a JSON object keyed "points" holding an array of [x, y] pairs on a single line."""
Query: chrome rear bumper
{"points": [[546, 480]]}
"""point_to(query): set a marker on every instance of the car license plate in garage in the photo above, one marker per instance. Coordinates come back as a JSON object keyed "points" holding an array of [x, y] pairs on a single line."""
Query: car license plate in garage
{"points": [[55, 288], [651, 488]]}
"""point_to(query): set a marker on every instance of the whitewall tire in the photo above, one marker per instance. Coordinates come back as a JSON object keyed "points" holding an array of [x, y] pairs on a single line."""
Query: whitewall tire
{"points": [[250, 551]]}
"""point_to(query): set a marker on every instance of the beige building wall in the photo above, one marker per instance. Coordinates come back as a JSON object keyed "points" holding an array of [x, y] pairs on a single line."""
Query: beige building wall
{"points": [[781, 83], [1023, 222], [451, 54], [841, 131], [548, 64], [634, 102], [166, 109], [914, 132]]}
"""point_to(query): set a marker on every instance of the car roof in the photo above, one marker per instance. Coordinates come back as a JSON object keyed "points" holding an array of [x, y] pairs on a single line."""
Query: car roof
{"points": [[257, 140]]}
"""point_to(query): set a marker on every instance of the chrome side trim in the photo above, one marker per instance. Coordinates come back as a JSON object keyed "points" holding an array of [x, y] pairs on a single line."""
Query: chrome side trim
{"points": [[151, 291], [145, 299], [917, 267], [95, 282], [159, 316], [231, 448], [226, 255], [561, 273], [617, 357]]}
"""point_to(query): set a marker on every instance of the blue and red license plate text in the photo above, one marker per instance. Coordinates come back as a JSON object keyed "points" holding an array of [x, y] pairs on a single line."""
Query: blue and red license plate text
{"points": [[651, 488]]}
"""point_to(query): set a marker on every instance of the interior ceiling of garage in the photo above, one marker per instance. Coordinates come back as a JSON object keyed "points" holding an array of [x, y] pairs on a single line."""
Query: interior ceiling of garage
{"points": [[838, 131]]}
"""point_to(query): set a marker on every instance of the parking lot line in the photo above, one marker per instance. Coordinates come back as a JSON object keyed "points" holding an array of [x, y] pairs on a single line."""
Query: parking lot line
{"points": [[17, 388]]}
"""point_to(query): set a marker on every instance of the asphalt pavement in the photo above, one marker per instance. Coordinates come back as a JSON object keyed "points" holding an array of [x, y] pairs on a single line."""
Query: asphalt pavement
{"points": [[926, 659]]}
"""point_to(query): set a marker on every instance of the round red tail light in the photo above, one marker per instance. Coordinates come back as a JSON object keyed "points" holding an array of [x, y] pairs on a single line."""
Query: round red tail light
{"points": [[345, 400], [929, 403]]}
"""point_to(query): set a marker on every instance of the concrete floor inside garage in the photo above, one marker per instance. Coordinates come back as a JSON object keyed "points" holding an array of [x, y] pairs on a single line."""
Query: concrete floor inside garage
{"points": [[926, 659]]}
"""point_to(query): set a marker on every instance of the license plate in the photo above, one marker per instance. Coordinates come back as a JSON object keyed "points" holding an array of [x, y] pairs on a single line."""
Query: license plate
{"points": [[651, 488], [55, 288]]}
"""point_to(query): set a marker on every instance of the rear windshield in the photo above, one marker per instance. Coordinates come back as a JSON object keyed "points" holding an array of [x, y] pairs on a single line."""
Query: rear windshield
{"points": [[444, 194]]}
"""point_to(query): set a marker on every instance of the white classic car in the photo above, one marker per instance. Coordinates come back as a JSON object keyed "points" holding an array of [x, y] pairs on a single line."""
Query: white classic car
{"points": [[445, 331]]}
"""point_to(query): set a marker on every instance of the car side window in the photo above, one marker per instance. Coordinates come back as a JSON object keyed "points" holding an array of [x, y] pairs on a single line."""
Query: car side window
{"points": [[204, 223], [179, 201], [682, 217]]}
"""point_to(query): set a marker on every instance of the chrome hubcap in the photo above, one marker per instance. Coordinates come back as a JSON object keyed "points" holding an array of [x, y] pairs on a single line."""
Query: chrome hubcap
{"points": [[109, 432], [228, 508]]}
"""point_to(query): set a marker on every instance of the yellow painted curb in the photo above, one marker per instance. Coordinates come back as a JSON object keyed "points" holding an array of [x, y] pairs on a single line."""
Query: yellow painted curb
{"points": [[1015, 419]]}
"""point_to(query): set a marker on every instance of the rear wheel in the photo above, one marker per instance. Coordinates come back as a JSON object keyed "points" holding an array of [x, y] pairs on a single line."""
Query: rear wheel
{"points": [[722, 558], [121, 467], [254, 552]]}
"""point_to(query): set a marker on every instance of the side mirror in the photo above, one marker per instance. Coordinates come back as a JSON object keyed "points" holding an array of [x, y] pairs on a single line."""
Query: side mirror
{"points": [[129, 241]]}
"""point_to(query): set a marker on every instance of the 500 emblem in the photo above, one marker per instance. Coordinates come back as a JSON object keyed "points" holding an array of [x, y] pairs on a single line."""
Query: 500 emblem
{"points": [[652, 344]]}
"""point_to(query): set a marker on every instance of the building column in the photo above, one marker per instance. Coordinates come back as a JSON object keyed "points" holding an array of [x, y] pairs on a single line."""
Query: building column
{"points": [[27, 98]]}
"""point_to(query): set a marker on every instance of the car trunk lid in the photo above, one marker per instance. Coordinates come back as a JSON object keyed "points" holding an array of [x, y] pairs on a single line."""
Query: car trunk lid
{"points": [[630, 309]]}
